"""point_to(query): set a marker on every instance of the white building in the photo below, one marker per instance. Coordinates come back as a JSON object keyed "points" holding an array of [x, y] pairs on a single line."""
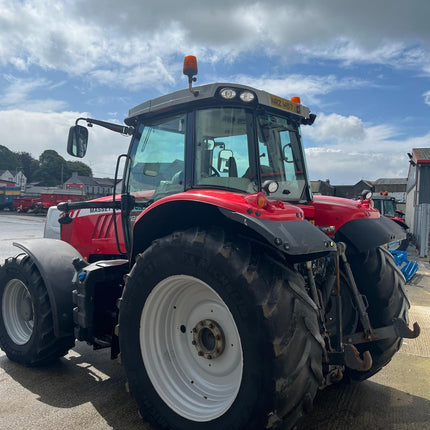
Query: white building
{"points": [[19, 178]]}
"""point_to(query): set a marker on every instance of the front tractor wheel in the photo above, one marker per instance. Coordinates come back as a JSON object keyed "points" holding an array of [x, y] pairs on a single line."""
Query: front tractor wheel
{"points": [[214, 336], [26, 324]]}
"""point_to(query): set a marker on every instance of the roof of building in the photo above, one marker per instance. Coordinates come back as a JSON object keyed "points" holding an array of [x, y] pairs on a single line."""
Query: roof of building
{"points": [[421, 155], [90, 181], [390, 181], [360, 182]]}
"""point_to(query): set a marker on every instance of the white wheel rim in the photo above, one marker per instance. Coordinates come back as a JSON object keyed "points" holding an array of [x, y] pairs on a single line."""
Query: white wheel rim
{"points": [[18, 312], [195, 387]]}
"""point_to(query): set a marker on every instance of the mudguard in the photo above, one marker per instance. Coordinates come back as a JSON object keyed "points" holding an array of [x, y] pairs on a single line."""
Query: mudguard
{"points": [[401, 223], [367, 234], [54, 258], [295, 238]]}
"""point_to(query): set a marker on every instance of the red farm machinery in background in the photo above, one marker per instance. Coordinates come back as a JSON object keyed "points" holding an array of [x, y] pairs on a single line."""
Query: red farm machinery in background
{"points": [[45, 201]]}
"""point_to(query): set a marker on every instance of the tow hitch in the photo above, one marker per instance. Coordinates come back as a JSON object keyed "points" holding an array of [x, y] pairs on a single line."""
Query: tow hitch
{"points": [[399, 328]]}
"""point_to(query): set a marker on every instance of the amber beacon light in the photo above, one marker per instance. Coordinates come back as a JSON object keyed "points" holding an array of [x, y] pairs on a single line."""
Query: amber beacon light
{"points": [[190, 65], [190, 69]]}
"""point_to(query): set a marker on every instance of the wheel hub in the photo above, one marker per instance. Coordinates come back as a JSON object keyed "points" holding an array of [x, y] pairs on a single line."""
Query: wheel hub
{"points": [[208, 339]]}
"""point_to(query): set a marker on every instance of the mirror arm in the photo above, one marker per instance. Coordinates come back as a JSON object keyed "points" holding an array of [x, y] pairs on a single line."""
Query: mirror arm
{"points": [[123, 129]]}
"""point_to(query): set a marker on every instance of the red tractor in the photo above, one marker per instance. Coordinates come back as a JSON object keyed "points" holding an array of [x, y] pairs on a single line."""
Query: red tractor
{"points": [[229, 292], [387, 206]]}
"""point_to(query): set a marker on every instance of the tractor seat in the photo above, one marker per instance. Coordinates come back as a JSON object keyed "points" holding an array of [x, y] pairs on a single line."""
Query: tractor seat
{"points": [[232, 167]]}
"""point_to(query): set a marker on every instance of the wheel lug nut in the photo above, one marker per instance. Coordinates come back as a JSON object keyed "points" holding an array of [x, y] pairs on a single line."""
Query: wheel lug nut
{"points": [[201, 353]]}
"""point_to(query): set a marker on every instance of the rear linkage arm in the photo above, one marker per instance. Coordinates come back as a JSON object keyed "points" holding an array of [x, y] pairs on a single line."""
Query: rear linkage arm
{"points": [[399, 328], [345, 352], [351, 355]]}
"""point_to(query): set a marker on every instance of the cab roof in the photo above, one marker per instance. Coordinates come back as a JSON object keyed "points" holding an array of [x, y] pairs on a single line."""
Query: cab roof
{"points": [[206, 92]]}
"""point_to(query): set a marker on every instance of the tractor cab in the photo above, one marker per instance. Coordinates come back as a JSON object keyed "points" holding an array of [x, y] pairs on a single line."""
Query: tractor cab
{"points": [[213, 143], [387, 206], [219, 136], [225, 145]]}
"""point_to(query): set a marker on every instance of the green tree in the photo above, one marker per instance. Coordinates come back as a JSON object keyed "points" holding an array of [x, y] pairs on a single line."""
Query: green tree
{"points": [[52, 168], [77, 166], [8, 160], [28, 164]]}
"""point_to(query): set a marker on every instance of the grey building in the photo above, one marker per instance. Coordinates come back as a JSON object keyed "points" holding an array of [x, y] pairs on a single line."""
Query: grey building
{"points": [[322, 188], [353, 191], [418, 198], [89, 186]]}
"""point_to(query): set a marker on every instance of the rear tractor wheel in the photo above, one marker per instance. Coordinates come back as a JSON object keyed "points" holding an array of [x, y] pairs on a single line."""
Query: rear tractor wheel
{"points": [[214, 336], [381, 281]]}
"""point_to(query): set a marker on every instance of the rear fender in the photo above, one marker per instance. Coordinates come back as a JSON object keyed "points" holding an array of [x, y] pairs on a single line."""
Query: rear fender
{"points": [[297, 238], [367, 234], [54, 258]]}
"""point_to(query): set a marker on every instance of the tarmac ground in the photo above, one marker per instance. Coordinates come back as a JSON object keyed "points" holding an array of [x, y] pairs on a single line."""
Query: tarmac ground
{"points": [[85, 389]]}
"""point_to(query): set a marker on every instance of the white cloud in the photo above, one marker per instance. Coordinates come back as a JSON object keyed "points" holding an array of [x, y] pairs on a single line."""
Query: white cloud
{"points": [[426, 96], [133, 43], [17, 95], [345, 149], [34, 132], [308, 88], [348, 166], [336, 128]]}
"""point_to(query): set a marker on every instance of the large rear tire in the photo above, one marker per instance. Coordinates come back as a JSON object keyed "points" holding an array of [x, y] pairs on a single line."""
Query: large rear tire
{"points": [[26, 324], [381, 281], [213, 335]]}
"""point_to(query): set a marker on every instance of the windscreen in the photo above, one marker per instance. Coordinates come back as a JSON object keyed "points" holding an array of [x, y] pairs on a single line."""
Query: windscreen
{"points": [[233, 149], [240, 151], [224, 151], [389, 208]]}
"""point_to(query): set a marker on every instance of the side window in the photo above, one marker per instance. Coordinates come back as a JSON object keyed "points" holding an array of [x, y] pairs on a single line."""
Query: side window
{"points": [[158, 159]]}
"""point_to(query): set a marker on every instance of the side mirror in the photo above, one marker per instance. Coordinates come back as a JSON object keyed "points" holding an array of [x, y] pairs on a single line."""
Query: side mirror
{"points": [[223, 157], [77, 141]]}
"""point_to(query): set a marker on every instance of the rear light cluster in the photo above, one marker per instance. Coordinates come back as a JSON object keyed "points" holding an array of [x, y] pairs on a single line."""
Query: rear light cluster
{"points": [[231, 94], [261, 201]]}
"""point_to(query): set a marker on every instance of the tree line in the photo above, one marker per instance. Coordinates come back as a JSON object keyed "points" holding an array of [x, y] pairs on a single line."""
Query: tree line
{"points": [[51, 169]]}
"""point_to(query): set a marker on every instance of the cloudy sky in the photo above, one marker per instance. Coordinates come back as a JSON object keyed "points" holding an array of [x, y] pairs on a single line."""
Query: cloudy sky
{"points": [[362, 66]]}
